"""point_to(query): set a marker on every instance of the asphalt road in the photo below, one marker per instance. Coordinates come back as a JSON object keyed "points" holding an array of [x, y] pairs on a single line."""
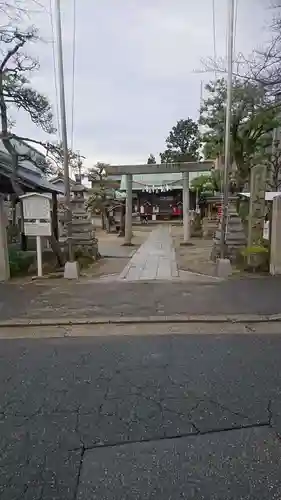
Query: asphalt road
{"points": [[60, 298], [141, 417]]}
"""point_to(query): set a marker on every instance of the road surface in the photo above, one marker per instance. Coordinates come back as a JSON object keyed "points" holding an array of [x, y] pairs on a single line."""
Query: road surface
{"points": [[140, 416]]}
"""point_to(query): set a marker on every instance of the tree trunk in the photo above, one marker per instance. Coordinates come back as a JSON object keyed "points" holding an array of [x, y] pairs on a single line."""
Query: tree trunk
{"points": [[55, 246], [103, 224], [55, 226]]}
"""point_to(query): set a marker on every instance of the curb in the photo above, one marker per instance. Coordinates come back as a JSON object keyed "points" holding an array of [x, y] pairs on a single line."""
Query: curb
{"points": [[130, 320]]}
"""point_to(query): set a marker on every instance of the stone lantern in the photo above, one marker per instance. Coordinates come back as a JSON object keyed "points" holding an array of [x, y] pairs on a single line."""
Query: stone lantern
{"points": [[83, 231]]}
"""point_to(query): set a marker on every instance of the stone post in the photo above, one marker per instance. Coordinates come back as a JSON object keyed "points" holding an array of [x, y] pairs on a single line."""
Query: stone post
{"points": [[275, 247], [4, 256], [257, 204], [129, 209], [185, 208]]}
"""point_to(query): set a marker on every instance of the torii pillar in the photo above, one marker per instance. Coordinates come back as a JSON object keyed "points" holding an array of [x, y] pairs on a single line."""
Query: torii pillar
{"points": [[129, 210]]}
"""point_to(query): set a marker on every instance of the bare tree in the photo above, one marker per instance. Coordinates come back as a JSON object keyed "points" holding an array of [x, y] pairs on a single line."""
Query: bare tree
{"points": [[19, 9], [16, 91], [263, 65], [55, 157]]}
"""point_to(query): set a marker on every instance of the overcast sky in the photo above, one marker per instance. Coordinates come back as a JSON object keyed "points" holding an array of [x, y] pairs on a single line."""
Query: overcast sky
{"points": [[136, 68]]}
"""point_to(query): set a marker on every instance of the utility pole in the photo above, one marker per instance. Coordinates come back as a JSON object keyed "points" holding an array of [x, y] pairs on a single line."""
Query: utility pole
{"points": [[71, 267], [231, 5], [63, 128]]}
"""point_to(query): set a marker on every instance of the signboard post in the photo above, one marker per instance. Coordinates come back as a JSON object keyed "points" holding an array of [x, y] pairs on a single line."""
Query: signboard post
{"points": [[39, 256], [37, 221]]}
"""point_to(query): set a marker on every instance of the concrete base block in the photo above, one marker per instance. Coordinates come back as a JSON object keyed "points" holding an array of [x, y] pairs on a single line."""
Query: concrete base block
{"points": [[71, 270], [223, 268]]}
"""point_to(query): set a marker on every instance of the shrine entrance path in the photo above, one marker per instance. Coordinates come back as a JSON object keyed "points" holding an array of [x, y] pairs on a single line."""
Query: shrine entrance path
{"points": [[154, 260]]}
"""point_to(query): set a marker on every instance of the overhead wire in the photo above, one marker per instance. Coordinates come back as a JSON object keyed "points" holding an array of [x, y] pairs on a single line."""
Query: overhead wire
{"points": [[73, 74], [235, 27], [214, 36], [55, 69], [226, 60]]}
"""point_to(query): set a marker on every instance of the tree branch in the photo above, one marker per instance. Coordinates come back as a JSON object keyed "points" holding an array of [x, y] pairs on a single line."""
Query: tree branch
{"points": [[11, 53]]}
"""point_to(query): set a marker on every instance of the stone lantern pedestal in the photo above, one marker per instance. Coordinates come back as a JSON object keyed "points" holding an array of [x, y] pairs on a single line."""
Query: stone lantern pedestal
{"points": [[83, 232], [235, 238]]}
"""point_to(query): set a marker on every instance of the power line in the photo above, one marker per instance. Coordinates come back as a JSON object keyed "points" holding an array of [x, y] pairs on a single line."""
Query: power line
{"points": [[73, 73], [214, 35], [55, 69], [235, 26]]}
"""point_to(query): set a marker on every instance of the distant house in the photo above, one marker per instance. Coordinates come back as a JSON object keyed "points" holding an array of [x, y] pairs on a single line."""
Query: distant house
{"points": [[115, 180], [58, 182], [30, 172]]}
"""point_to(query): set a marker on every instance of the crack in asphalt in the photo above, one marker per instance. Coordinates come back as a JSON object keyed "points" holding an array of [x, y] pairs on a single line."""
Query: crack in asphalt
{"points": [[120, 444], [83, 448], [180, 391], [198, 432], [75, 493], [269, 411], [249, 328], [174, 436]]}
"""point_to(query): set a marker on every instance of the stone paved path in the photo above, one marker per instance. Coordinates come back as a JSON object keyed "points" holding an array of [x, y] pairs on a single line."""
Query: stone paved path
{"points": [[155, 259]]}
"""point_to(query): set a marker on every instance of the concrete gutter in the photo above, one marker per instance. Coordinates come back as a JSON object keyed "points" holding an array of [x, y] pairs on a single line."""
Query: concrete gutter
{"points": [[135, 320]]}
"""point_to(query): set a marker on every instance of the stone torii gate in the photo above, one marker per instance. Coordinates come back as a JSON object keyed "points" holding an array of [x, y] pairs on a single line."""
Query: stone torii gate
{"points": [[160, 168]]}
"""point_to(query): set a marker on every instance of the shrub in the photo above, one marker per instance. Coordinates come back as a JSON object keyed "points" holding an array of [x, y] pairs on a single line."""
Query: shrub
{"points": [[19, 262], [256, 258]]}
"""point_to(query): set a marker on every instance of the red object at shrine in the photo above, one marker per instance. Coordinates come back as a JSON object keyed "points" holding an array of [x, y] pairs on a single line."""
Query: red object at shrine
{"points": [[177, 211], [219, 211]]}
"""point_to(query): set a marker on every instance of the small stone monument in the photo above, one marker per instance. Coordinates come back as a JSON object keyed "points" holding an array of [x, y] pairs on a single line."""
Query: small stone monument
{"points": [[83, 233], [275, 254], [235, 239], [257, 205], [256, 210]]}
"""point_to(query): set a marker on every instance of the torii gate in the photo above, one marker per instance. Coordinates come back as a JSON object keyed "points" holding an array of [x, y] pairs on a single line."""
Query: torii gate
{"points": [[158, 168]]}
